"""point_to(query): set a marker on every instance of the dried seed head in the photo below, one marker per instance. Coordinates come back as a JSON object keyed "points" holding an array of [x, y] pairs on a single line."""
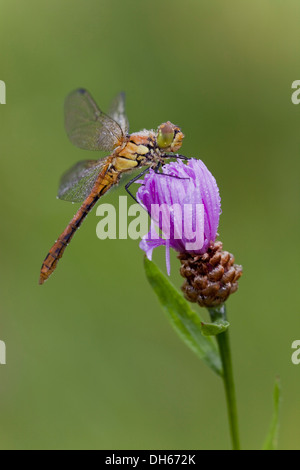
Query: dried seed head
{"points": [[211, 277]]}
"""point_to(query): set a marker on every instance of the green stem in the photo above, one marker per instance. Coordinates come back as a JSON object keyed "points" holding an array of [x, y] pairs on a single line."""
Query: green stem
{"points": [[224, 346]]}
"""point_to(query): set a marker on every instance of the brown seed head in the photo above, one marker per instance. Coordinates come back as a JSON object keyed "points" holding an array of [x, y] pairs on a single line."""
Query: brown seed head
{"points": [[211, 277]]}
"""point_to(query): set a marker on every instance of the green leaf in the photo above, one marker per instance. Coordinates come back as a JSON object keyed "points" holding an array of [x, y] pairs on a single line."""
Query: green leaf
{"points": [[214, 329], [271, 442], [185, 321]]}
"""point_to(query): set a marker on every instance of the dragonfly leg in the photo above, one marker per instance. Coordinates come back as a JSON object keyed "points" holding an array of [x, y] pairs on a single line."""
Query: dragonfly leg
{"points": [[157, 168], [180, 157], [133, 181], [172, 176], [166, 174]]}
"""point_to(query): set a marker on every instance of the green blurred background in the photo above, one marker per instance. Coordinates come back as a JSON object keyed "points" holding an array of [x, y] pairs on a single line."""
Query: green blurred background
{"points": [[91, 359]]}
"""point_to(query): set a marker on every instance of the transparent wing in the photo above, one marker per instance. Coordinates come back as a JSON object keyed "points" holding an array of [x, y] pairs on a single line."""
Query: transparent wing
{"points": [[117, 112], [77, 183], [87, 126]]}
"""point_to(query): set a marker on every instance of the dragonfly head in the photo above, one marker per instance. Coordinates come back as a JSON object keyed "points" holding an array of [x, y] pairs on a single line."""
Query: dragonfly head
{"points": [[169, 137]]}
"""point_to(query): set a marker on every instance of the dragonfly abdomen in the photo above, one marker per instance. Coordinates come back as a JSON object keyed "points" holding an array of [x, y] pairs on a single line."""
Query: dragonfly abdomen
{"points": [[105, 180], [65, 238]]}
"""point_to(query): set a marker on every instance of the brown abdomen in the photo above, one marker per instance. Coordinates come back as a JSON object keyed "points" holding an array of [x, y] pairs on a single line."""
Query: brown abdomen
{"points": [[105, 180]]}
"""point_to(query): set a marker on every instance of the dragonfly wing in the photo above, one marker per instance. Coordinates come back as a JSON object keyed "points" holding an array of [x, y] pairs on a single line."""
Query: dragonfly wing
{"points": [[87, 126], [77, 183], [117, 112]]}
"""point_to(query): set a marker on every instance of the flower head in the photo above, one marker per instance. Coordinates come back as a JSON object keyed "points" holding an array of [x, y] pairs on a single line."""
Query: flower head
{"points": [[184, 204]]}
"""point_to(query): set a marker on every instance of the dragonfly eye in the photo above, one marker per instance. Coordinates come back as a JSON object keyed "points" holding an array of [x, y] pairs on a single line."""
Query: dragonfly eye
{"points": [[165, 135], [169, 137]]}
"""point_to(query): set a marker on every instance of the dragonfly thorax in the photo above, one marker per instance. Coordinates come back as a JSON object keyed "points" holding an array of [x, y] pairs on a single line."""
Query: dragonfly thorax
{"points": [[148, 147]]}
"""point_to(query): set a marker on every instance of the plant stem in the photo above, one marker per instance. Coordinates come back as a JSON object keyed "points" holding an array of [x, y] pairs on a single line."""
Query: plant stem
{"points": [[225, 352]]}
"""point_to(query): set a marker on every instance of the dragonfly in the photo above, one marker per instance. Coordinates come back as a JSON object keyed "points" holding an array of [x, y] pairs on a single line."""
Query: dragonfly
{"points": [[89, 128]]}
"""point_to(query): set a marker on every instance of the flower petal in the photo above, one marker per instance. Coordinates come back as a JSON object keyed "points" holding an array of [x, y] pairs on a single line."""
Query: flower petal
{"points": [[182, 196]]}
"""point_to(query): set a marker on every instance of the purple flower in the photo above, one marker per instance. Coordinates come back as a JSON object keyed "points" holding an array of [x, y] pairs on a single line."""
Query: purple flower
{"points": [[185, 208]]}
